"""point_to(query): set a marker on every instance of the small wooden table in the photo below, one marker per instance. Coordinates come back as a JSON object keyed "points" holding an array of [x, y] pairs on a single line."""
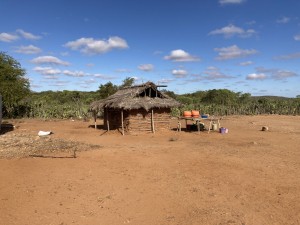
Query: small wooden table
{"points": [[198, 121]]}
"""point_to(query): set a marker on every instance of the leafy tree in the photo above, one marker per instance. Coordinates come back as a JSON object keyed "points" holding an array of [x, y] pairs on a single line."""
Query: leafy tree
{"points": [[221, 96], [127, 82], [169, 93], [245, 98], [184, 100], [13, 84], [107, 89]]}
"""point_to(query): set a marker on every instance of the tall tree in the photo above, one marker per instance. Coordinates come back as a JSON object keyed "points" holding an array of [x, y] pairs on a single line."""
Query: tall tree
{"points": [[221, 96], [127, 82], [13, 84], [107, 89]]}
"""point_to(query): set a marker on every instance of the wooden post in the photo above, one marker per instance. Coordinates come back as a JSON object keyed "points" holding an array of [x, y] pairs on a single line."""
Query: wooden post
{"points": [[107, 121], [152, 121], [122, 118], [95, 118], [186, 125]]}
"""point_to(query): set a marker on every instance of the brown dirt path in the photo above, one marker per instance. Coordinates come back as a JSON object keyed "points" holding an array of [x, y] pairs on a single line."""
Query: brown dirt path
{"points": [[244, 177]]}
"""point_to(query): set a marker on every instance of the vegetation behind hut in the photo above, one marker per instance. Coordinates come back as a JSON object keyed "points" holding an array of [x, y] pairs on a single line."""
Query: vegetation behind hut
{"points": [[18, 101], [67, 104]]}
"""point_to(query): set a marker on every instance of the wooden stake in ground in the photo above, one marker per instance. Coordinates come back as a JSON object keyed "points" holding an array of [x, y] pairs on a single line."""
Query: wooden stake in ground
{"points": [[122, 118], [107, 121], [95, 118], [152, 121]]}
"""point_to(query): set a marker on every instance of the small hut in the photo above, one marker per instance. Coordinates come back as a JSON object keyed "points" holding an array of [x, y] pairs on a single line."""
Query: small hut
{"points": [[139, 108]]}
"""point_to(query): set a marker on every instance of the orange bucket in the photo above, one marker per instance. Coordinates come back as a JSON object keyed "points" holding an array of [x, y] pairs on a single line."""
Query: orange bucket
{"points": [[195, 113], [187, 114]]}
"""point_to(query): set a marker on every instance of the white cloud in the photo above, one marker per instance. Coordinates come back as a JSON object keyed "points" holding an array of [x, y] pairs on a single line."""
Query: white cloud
{"points": [[92, 46], [233, 52], [47, 70], [282, 74], [6, 37], [28, 35], [30, 49], [146, 67], [180, 55], [247, 63], [231, 30], [213, 73], [164, 81], [89, 81], [103, 76], [283, 20], [277, 74], [179, 73], [50, 77], [222, 2], [74, 73], [60, 83], [256, 76], [297, 37], [49, 60]]}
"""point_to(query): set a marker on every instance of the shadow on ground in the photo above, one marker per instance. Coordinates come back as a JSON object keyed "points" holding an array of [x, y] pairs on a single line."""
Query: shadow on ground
{"points": [[6, 127]]}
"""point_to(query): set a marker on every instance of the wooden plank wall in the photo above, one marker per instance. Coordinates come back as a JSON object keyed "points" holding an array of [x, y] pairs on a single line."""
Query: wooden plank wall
{"points": [[140, 120], [114, 116]]}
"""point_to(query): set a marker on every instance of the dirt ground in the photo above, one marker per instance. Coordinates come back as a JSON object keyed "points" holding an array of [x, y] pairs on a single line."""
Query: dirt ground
{"points": [[85, 176]]}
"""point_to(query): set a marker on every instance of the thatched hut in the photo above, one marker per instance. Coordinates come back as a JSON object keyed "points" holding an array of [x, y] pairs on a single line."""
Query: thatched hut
{"points": [[136, 108]]}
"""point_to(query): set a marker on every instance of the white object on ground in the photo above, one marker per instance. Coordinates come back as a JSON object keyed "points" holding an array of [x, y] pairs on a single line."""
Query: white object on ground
{"points": [[44, 133]]}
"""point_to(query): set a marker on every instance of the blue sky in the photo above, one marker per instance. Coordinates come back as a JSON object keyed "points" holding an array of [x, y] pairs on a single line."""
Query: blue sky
{"points": [[248, 46]]}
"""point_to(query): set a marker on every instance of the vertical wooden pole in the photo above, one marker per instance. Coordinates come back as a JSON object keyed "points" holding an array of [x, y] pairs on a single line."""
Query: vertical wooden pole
{"points": [[107, 120], [152, 121], [122, 118], [186, 124], [95, 118]]}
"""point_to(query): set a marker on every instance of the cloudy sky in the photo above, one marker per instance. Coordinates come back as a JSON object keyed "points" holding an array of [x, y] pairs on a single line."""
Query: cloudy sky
{"points": [[250, 46]]}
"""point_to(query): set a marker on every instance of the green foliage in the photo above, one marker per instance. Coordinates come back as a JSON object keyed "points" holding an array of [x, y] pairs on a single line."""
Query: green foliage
{"points": [[13, 84], [221, 96], [60, 104], [106, 90], [109, 88], [185, 100], [224, 102], [169, 93], [127, 82], [198, 95]]}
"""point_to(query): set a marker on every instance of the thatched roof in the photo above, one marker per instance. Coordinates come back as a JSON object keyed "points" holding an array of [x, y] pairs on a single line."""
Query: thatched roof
{"points": [[144, 96]]}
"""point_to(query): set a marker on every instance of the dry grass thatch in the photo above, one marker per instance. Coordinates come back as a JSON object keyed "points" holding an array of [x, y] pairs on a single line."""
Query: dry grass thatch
{"points": [[144, 96]]}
